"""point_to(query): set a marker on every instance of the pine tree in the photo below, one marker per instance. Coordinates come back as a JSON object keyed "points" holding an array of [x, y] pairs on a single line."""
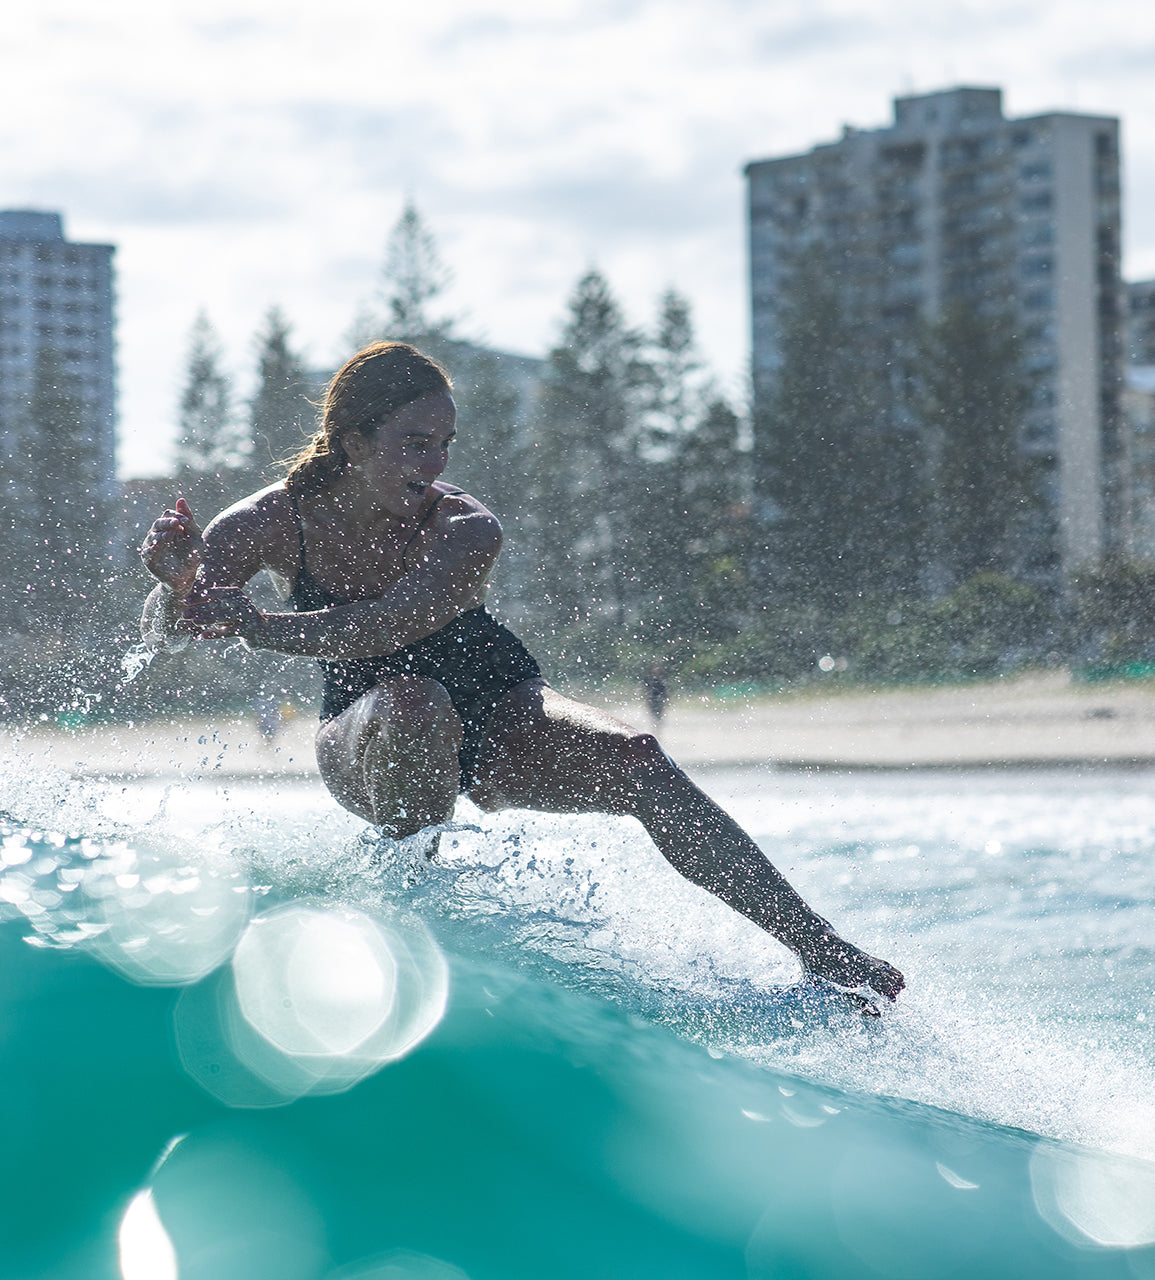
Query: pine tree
{"points": [[676, 368], [414, 278], [280, 412], [715, 586], [208, 433], [674, 392], [971, 396], [583, 460]]}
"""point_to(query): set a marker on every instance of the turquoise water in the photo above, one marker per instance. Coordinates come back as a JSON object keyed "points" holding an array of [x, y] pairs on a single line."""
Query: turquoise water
{"points": [[236, 1045]]}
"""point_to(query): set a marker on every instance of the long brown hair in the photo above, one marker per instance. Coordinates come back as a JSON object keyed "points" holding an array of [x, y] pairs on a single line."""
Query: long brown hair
{"points": [[362, 394]]}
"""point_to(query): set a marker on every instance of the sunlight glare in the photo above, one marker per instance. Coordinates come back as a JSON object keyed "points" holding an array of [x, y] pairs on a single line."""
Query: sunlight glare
{"points": [[146, 1252]]}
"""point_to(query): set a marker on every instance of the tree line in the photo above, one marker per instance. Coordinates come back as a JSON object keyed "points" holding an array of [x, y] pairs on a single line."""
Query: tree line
{"points": [[871, 516], [874, 505]]}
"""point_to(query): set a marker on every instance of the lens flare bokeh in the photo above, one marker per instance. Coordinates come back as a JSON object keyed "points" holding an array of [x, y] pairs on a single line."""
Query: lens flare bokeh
{"points": [[316, 999]]}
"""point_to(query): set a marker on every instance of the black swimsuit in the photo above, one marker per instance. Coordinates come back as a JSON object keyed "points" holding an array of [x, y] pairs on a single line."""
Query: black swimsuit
{"points": [[474, 657]]}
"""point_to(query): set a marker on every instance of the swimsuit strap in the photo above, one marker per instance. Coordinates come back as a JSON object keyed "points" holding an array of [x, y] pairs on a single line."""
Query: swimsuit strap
{"points": [[301, 569]]}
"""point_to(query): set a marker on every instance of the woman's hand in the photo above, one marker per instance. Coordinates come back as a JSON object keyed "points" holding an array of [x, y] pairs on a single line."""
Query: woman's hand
{"points": [[173, 547], [213, 613]]}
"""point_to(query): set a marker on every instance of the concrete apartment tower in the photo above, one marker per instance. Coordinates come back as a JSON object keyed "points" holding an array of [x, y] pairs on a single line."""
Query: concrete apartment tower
{"points": [[954, 200], [54, 293], [1139, 411]]}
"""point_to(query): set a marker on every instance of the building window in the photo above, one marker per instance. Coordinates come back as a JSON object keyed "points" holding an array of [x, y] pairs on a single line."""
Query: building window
{"points": [[1039, 299], [1036, 202]]}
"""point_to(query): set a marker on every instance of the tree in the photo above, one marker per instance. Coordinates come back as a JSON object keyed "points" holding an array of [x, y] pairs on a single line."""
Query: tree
{"points": [[1114, 610], [690, 515], [280, 411], [840, 475], [583, 464], [675, 368], [717, 548], [413, 278], [971, 397], [208, 435]]}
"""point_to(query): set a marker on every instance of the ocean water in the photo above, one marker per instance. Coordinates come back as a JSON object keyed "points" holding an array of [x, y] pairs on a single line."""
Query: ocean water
{"points": [[239, 1039]]}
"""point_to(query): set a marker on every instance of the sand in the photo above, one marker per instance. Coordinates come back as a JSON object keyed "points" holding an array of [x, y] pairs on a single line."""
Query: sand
{"points": [[1035, 720]]}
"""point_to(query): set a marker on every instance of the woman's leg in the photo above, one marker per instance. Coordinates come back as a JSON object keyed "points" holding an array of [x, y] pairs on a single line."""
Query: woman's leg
{"points": [[391, 758], [545, 751]]}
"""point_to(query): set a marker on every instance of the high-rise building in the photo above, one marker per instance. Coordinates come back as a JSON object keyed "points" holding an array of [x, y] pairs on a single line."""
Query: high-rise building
{"points": [[57, 294], [1139, 411], [956, 201], [59, 531], [1141, 323]]}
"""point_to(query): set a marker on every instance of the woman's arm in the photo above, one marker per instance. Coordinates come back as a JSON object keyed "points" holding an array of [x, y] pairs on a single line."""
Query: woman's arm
{"points": [[172, 551], [428, 597], [175, 551]]}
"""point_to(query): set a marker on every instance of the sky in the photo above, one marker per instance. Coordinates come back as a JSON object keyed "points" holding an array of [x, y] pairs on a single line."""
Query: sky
{"points": [[248, 153]]}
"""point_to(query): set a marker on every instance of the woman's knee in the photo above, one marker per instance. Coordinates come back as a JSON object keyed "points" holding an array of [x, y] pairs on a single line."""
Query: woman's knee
{"points": [[636, 762], [643, 751], [412, 712]]}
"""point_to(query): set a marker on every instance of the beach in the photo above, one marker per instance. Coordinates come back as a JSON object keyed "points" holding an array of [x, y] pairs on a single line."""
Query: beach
{"points": [[1032, 720]]}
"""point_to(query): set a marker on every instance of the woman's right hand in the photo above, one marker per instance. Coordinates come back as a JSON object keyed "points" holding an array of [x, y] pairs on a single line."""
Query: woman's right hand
{"points": [[172, 548]]}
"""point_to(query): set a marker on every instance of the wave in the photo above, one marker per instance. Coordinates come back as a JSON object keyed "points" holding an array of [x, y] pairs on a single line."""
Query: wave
{"points": [[567, 1062], [585, 903]]}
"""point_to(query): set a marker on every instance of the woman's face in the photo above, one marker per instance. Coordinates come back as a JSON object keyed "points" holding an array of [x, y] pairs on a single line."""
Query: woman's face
{"points": [[408, 452]]}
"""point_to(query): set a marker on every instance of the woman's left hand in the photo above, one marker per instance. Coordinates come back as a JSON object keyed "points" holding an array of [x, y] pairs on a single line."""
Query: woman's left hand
{"points": [[213, 613]]}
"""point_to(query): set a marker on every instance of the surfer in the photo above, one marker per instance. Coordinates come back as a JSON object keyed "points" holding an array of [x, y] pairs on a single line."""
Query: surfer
{"points": [[425, 693]]}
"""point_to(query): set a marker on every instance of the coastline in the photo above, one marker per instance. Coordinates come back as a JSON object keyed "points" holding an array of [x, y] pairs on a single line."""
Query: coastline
{"points": [[1037, 720]]}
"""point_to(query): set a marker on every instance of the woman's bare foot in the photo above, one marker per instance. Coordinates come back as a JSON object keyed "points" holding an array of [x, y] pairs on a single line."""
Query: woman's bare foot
{"points": [[826, 955]]}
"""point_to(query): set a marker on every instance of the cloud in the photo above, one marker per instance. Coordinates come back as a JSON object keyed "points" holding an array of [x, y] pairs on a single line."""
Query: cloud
{"points": [[131, 198], [231, 30], [1108, 61], [813, 35], [243, 152]]}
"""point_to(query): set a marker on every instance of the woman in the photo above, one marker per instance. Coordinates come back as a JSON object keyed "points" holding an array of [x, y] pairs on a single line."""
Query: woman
{"points": [[425, 695]]}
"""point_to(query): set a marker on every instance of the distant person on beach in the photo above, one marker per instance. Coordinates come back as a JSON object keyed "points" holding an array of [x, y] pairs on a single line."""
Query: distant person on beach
{"points": [[268, 711], [425, 694], [657, 693]]}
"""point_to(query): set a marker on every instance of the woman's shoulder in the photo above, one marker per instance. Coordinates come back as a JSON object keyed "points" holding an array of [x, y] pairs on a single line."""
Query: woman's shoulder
{"points": [[457, 507], [453, 501], [266, 521]]}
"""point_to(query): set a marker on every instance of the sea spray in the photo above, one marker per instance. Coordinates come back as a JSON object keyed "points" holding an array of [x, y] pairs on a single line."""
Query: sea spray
{"points": [[136, 659], [589, 904]]}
